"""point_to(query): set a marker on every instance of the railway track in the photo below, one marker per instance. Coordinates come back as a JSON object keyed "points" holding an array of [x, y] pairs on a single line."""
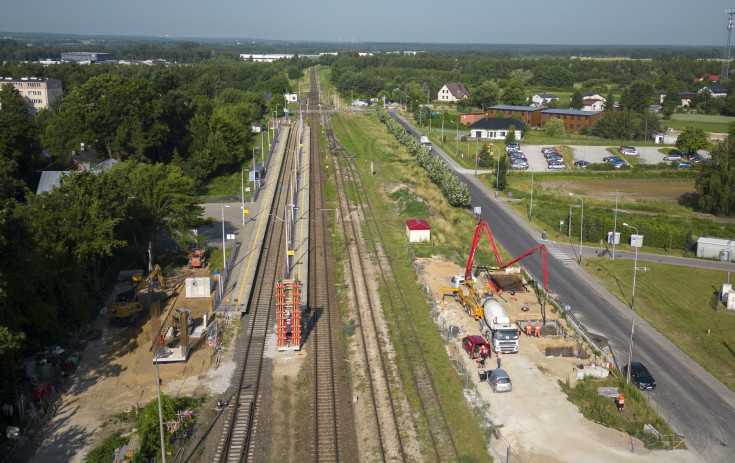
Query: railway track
{"points": [[332, 433], [237, 441], [367, 241]]}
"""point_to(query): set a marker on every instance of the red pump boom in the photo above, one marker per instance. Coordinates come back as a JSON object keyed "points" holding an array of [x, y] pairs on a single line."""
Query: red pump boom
{"points": [[483, 226]]}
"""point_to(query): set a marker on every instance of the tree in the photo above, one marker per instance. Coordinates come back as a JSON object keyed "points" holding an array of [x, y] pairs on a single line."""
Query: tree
{"points": [[155, 199], [485, 95], [554, 127], [107, 111], [671, 102], [616, 124], [19, 146], [609, 102], [648, 124], [692, 139], [502, 174], [277, 103], [577, 100], [486, 156], [510, 136], [716, 181], [636, 97], [514, 93]]}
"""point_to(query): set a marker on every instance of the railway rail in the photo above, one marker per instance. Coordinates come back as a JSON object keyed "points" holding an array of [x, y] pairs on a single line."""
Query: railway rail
{"points": [[442, 446], [332, 433], [237, 441]]}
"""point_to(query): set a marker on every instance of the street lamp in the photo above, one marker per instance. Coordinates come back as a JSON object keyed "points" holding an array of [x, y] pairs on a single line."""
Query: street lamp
{"points": [[615, 226], [635, 266], [224, 243], [160, 413], [442, 128], [581, 222]]}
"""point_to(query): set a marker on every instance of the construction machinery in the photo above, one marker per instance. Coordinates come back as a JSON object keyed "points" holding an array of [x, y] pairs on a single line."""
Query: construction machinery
{"points": [[197, 259], [463, 287], [126, 309]]}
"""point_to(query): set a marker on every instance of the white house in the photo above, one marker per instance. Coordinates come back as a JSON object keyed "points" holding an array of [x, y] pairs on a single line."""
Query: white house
{"points": [[291, 97], [543, 99], [716, 90], [590, 104], [418, 230], [593, 96], [452, 91], [496, 128]]}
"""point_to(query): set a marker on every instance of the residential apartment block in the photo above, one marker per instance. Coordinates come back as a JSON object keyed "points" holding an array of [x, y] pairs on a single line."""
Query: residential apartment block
{"points": [[38, 93]]}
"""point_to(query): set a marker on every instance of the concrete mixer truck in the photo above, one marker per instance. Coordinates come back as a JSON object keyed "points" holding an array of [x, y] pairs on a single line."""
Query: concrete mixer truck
{"points": [[496, 326]]}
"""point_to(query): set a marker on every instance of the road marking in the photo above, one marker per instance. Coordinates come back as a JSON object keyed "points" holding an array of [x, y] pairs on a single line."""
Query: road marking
{"points": [[556, 251]]}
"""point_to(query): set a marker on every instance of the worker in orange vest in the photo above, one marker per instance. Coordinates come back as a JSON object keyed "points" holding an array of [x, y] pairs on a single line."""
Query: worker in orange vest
{"points": [[528, 328], [537, 330], [621, 402]]}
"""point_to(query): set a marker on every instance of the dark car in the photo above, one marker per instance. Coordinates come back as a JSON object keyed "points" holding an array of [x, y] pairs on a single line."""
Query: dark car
{"points": [[612, 158], [582, 164], [640, 376]]}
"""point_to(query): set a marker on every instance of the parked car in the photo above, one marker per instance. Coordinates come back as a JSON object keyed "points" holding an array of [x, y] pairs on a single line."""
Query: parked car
{"points": [[557, 165], [582, 164], [684, 164], [611, 158], [473, 344], [519, 165], [631, 152], [618, 163], [623, 148], [499, 381], [514, 145], [672, 157], [698, 159], [640, 376], [554, 159]]}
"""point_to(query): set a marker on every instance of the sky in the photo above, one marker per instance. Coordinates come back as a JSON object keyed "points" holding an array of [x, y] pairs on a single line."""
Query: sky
{"points": [[575, 22]]}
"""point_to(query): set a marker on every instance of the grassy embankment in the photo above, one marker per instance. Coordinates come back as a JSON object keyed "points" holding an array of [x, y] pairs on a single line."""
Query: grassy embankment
{"points": [[366, 138]]}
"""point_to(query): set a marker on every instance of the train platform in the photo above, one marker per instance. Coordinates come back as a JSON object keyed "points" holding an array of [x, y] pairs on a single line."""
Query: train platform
{"points": [[247, 223]]}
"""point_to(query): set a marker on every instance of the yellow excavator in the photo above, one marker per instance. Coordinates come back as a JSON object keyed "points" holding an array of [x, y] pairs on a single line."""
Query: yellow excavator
{"points": [[126, 310]]}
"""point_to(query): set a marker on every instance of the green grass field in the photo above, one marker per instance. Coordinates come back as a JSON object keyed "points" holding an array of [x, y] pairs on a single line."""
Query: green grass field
{"points": [[716, 124]]}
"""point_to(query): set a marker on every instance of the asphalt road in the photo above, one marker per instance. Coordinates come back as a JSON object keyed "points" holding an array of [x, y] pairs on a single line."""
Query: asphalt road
{"points": [[687, 397]]}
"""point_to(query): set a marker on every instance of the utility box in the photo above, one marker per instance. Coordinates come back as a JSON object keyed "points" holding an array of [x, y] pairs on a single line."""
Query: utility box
{"points": [[610, 239], [199, 287], [636, 241], [731, 300]]}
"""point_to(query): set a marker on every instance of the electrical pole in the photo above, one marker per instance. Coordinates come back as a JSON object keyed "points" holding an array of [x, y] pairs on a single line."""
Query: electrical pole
{"points": [[726, 61]]}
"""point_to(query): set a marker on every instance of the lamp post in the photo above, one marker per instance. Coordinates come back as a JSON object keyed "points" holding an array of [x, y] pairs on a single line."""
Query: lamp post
{"points": [[442, 128], [242, 194], [160, 413], [224, 243], [456, 149], [530, 208], [615, 226], [497, 177], [635, 267], [581, 222]]}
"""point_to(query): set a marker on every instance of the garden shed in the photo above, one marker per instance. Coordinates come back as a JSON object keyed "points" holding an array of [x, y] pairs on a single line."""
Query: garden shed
{"points": [[418, 230]]}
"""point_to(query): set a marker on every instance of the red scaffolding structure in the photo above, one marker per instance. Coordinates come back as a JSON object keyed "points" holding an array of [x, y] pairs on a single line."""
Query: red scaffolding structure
{"points": [[288, 315]]}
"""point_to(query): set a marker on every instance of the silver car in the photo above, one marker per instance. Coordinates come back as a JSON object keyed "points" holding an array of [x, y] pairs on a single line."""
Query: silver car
{"points": [[499, 381]]}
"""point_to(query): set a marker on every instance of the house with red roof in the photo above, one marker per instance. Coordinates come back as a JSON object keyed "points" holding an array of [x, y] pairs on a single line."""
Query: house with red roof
{"points": [[418, 230], [710, 77]]}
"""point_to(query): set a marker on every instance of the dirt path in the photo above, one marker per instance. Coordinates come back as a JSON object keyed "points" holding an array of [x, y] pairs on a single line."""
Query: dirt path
{"points": [[115, 373]]}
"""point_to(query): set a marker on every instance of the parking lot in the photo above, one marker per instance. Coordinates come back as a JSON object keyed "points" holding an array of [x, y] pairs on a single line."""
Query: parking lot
{"points": [[594, 154]]}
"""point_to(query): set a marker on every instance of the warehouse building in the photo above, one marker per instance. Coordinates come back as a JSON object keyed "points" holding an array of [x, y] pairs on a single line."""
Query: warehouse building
{"points": [[716, 248]]}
